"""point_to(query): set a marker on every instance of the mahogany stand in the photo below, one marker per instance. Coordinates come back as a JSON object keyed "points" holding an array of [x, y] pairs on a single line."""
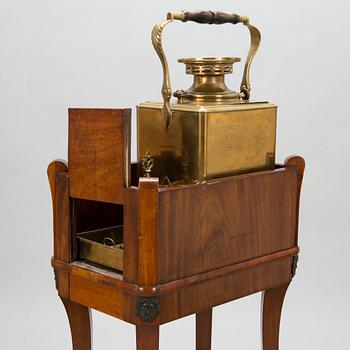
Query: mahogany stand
{"points": [[186, 248]]}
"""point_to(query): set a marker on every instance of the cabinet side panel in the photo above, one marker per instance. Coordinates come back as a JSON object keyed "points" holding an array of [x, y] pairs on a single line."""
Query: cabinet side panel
{"points": [[210, 293], [224, 222]]}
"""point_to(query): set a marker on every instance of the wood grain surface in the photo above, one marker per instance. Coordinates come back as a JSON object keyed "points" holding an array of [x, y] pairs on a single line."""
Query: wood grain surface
{"points": [[272, 301], [298, 164], [99, 153], [105, 298], [203, 329], [80, 324], [199, 297], [147, 337], [191, 247], [62, 238], [218, 223], [131, 235], [148, 231], [57, 172]]}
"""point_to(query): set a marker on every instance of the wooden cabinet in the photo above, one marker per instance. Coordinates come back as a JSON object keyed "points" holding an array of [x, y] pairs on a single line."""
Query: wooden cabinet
{"points": [[186, 248]]}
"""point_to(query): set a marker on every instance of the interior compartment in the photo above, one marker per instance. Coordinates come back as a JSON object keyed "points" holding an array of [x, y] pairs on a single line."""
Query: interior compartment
{"points": [[98, 233], [103, 247]]}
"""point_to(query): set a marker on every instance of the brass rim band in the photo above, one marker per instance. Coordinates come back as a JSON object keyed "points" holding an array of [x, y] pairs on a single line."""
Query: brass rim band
{"points": [[166, 91]]}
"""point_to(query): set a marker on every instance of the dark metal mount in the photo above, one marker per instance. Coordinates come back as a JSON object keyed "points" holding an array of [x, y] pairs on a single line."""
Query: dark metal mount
{"points": [[295, 259], [56, 278], [147, 309]]}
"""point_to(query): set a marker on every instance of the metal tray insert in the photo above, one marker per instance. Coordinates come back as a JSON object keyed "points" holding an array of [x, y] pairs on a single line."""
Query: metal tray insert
{"points": [[103, 246]]}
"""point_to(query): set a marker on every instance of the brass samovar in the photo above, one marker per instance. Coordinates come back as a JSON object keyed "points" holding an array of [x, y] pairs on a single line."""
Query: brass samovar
{"points": [[211, 131]]}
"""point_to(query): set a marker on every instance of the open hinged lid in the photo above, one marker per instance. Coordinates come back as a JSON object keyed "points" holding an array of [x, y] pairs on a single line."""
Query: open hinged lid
{"points": [[99, 153]]}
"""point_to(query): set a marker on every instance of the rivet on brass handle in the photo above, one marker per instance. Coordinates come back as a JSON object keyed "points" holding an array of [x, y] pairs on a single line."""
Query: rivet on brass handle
{"points": [[204, 17]]}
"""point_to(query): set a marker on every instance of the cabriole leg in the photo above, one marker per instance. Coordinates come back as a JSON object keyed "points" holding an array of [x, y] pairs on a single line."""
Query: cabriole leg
{"points": [[203, 330], [80, 325], [272, 301], [147, 337]]}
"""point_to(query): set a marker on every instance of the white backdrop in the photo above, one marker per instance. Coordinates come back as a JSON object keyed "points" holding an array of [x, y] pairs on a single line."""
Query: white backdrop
{"points": [[75, 53]]}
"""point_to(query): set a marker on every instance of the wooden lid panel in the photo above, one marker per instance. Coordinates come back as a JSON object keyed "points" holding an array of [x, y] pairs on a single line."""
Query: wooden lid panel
{"points": [[99, 153]]}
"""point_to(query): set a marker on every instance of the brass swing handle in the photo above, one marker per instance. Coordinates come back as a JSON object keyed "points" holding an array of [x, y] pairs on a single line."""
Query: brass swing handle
{"points": [[204, 17]]}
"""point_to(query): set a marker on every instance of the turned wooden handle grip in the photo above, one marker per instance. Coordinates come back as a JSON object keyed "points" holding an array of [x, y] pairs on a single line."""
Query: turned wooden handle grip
{"points": [[211, 17]]}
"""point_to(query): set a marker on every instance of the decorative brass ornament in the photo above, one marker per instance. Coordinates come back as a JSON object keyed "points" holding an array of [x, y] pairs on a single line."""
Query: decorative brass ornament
{"points": [[147, 164]]}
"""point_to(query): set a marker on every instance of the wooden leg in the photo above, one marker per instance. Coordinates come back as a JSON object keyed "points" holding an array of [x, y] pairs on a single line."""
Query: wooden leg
{"points": [[272, 301], [80, 325], [147, 337], [203, 330]]}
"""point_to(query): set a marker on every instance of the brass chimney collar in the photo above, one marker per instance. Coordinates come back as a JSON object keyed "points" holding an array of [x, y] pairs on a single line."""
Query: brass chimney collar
{"points": [[209, 79], [209, 65]]}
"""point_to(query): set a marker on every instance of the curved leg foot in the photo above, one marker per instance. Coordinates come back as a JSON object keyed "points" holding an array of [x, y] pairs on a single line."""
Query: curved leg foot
{"points": [[272, 301], [203, 330], [80, 324], [147, 337]]}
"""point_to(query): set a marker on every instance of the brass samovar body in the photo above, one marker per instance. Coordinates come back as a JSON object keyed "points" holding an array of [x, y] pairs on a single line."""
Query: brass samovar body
{"points": [[211, 131]]}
